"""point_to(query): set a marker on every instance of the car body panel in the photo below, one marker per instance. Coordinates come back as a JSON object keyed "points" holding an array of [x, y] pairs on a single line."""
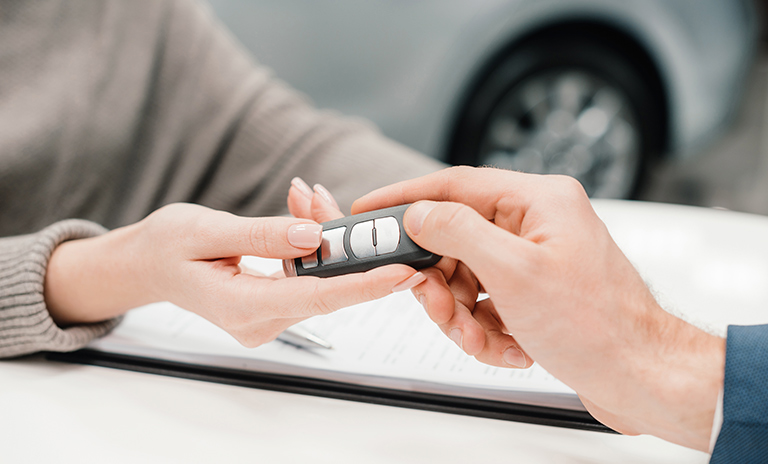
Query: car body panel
{"points": [[408, 65], [691, 261]]}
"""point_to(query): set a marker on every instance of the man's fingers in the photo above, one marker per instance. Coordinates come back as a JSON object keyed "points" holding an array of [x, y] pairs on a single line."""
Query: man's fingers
{"points": [[476, 187], [450, 313], [464, 330], [458, 231], [435, 296], [464, 285], [500, 349], [489, 191]]}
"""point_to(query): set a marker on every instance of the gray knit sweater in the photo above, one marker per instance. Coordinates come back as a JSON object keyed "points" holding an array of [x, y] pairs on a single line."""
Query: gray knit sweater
{"points": [[110, 109]]}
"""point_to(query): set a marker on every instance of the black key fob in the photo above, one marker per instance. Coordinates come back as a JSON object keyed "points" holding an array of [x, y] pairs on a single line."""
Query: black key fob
{"points": [[362, 242]]}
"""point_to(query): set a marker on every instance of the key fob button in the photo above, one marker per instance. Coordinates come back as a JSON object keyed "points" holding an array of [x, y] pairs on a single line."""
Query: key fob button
{"points": [[332, 247], [387, 235], [361, 240], [309, 261]]}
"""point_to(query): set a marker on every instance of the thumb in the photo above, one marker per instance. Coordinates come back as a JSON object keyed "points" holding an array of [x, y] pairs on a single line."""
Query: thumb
{"points": [[458, 231], [311, 296], [225, 235]]}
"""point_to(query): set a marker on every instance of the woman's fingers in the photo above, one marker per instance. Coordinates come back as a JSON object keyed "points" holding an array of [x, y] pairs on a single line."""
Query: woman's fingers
{"points": [[318, 204], [302, 297], [300, 199], [223, 235], [195, 232], [251, 336], [323, 207]]}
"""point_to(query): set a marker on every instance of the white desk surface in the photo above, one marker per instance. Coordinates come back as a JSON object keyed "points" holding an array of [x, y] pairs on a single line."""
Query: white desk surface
{"points": [[53, 412]]}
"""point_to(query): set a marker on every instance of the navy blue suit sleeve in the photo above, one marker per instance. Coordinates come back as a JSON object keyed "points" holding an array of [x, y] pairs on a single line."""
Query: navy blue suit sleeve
{"points": [[744, 435]]}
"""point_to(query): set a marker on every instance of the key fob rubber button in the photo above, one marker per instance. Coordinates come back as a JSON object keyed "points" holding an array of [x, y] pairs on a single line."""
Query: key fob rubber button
{"points": [[332, 247], [387, 235], [361, 240], [309, 261]]}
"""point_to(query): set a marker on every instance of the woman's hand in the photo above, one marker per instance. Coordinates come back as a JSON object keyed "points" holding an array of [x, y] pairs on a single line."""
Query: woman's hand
{"points": [[561, 293], [189, 255]]}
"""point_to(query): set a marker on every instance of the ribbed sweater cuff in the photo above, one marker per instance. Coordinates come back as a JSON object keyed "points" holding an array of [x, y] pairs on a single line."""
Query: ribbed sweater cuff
{"points": [[25, 324]]}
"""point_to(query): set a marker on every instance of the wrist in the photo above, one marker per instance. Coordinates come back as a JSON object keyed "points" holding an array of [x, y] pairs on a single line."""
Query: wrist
{"points": [[684, 376], [95, 279]]}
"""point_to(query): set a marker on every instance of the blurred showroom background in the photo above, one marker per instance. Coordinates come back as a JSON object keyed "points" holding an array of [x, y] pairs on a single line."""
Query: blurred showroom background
{"points": [[591, 88], [731, 173]]}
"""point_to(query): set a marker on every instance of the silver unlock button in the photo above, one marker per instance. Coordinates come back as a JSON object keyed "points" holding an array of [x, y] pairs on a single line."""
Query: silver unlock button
{"points": [[375, 238]]}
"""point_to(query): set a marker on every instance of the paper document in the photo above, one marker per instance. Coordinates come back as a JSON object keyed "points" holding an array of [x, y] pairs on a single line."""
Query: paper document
{"points": [[387, 343]]}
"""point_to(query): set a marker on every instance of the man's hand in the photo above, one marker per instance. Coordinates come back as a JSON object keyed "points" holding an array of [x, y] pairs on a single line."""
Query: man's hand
{"points": [[562, 294]]}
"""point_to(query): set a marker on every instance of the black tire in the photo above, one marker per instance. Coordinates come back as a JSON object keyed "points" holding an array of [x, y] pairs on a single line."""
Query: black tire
{"points": [[557, 55]]}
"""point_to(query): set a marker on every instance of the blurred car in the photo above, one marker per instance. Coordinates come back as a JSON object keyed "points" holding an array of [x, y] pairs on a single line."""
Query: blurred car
{"points": [[597, 89]]}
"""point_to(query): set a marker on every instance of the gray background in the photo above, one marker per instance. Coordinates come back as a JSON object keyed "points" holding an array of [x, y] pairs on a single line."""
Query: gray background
{"points": [[732, 173]]}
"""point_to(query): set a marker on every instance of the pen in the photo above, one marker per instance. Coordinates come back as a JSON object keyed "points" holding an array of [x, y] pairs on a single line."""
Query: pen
{"points": [[302, 338]]}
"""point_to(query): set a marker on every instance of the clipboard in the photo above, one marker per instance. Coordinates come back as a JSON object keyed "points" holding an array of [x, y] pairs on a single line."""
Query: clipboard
{"points": [[490, 409]]}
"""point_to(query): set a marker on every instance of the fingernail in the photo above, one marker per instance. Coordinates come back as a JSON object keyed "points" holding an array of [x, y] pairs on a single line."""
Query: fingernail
{"points": [[302, 187], [514, 357], [416, 214], [326, 195], [305, 235], [410, 282], [456, 335]]}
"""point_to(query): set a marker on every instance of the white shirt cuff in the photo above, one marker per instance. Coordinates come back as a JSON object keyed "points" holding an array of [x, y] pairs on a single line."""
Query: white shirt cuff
{"points": [[717, 423]]}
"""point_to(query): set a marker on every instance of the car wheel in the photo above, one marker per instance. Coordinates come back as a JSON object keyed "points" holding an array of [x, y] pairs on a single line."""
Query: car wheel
{"points": [[578, 107]]}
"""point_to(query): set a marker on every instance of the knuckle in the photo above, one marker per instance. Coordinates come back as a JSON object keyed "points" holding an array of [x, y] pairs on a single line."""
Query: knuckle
{"points": [[251, 337], [569, 186], [261, 238], [456, 215], [461, 171], [368, 289], [250, 340], [455, 171], [457, 175], [319, 301]]}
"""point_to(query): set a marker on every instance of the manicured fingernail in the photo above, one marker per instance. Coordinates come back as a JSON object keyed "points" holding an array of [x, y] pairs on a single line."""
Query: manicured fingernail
{"points": [[416, 214], [410, 282], [326, 195], [514, 357], [302, 187], [456, 335], [305, 235]]}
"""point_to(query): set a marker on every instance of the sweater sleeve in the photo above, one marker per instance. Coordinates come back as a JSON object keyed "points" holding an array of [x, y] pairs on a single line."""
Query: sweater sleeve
{"points": [[25, 324], [227, 134]]}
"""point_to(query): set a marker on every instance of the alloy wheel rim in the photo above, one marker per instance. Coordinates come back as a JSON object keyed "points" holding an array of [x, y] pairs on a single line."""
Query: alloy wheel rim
{"points": [[566, 122]]}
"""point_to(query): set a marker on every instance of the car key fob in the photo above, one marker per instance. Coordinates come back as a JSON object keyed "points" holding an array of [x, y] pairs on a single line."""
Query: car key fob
{"points": [[362, 242]]}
